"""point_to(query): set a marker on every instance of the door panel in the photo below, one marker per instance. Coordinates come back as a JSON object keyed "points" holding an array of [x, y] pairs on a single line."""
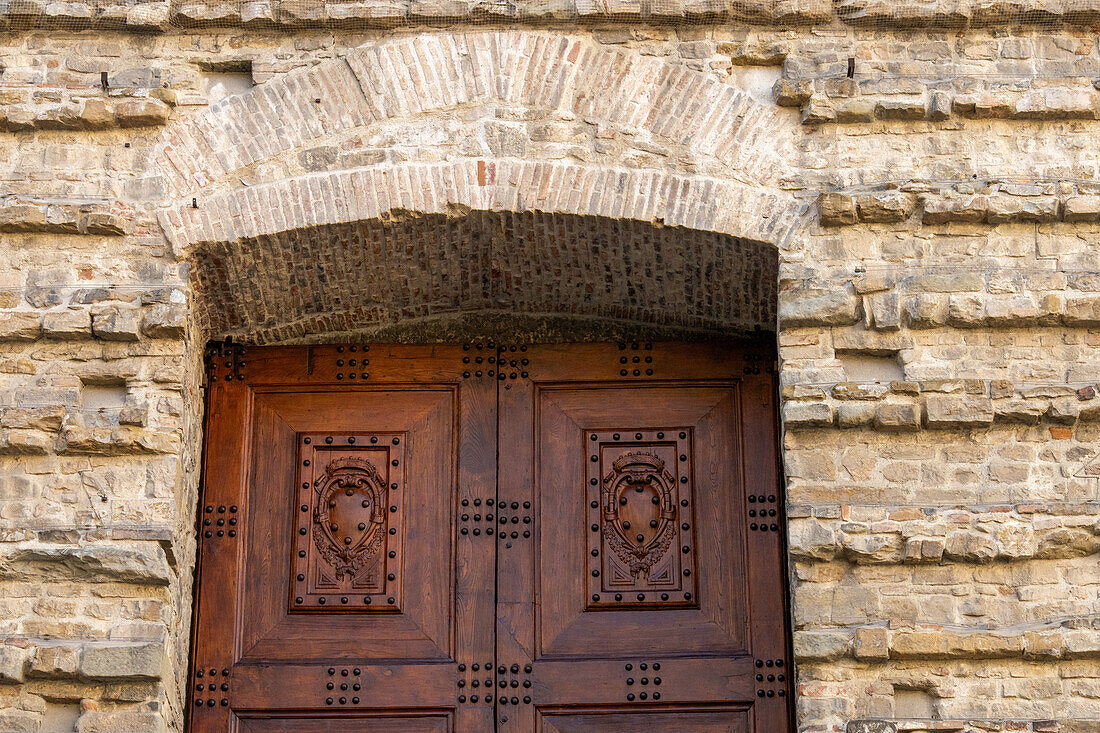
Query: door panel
{"points": [[372, 724], [648, 586], [619, 720], [335, 578], [478, 539]]}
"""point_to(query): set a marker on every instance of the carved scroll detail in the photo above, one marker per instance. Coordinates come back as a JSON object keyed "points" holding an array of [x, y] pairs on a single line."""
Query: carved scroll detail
{"points": [[639, 471], [348, 548]]}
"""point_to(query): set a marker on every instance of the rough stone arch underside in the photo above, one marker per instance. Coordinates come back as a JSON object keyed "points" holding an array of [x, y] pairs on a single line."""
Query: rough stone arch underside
{"points": [[291, 192], [488, 274]]}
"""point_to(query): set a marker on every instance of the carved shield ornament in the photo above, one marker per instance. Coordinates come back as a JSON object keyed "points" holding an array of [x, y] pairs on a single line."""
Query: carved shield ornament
{"points": [[639, 510], [349, 514]]}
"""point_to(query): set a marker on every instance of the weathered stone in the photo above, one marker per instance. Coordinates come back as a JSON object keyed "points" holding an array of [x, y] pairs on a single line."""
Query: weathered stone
{"points": [[32, 418], [815, 308], [970, 546], [822, 645], [67, 324], [76, 440], [855, 415], [164, 320], [144, 564], [1081, 208], [958, 411], [13, 662], [55, 660], [889, 416], [885, 311], [792, 92], [836, 209], [858, 391], [960, 209], [1004, 208], [142, 112], [116, 323], [872, 643], [20, 326], [885, 206], [807, 414], [926, 310], [123, 661]]}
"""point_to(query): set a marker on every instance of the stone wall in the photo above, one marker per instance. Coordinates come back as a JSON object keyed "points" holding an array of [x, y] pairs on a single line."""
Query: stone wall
{"points": [[932, 202]]}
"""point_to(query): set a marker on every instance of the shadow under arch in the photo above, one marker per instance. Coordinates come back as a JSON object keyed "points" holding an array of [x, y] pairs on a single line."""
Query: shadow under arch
{"points": [[526, 275]]}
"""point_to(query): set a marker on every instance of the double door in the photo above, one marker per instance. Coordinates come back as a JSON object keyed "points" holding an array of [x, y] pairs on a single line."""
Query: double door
{"points": [[476, 538]]}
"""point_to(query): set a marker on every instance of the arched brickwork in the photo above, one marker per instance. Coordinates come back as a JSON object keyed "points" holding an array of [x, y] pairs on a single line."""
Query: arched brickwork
{"points": [[485, 274], [329, 166]]}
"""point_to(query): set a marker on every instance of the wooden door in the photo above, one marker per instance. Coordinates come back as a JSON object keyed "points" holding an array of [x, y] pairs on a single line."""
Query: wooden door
{"points": [[649, 594], [345, 572], [475, 539]]}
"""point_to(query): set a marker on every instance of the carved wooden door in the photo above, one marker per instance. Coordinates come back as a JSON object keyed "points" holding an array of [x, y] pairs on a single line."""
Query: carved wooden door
{"points": [[650, 594], [475, 539], [345, 568]]}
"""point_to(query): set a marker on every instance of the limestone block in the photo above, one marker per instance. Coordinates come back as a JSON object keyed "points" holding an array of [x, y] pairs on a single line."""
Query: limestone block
{"points": [[25, 443], [32, 418], [116, 323], [1082, 311], [58, 660], [123, 661], [821, 645], [140, 563], [1081, 208], [969, 546], [67, 324], [885, 206], [858, 391], [958, 411], [20, 326], [94, 721], [955, 209], [104, 223], [78, 440], [810, 539], [1027, 412], [1056, 103], [142, 112], [1004, 208], [838, 307], [872, 642], [856, 110], [870, 343], [885, 311], [901, 108], [792, 92], [871, 548], [164, 320], [836, 209], [927, 310], [13, 662], [1064, 410], [13, 720], [807, 414], [855, 414], [897, 417]]}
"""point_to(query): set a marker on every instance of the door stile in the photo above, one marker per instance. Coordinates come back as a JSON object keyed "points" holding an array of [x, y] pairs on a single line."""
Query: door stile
{"points": [[766, 552], [517, 536], [475, 554], [221, 518]]}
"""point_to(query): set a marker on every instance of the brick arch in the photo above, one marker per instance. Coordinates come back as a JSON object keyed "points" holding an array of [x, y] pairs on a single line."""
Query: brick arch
{"points": [[494, 274], [264, 188], [516, 185], [655, 99]]}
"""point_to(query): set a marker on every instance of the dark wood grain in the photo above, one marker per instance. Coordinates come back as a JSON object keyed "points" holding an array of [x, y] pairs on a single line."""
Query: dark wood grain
{"points": [[581, 538]]}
